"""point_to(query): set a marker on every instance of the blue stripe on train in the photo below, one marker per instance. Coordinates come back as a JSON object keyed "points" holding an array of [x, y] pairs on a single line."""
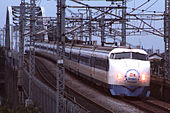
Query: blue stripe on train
{"points": [[141, 91]]}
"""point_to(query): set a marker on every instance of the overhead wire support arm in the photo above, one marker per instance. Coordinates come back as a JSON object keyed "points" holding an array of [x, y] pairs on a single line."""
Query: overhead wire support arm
{"points": [[87, 6], [123, 21], [146, 14], [107, 12], [96, 8], [87, 22]]}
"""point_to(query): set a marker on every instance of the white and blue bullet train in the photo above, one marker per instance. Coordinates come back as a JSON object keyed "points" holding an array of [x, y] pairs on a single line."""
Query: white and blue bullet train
{"points": [[124, 71]]}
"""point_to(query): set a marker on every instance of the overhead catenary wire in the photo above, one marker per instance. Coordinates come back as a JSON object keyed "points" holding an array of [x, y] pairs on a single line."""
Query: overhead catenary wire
{"points": [[140, 6], [150, 6]]}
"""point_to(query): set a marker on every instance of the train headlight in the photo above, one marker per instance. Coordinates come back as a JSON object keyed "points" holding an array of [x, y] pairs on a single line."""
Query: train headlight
{"points": [[119, 76], [143, 77]]}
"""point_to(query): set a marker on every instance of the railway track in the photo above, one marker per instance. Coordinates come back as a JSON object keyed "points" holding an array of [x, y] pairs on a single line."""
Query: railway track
{"points": [[79, 97], [51, 82], [151, 105], [44, 74], [162, 105]]}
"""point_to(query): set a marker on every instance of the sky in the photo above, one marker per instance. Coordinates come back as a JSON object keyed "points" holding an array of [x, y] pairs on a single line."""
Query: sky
{"points": [[147, 41]]}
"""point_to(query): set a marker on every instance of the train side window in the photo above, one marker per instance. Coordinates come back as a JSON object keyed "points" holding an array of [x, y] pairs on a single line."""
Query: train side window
{"points": [[51, 49], [74, 57], [85, 60], [112, 56], [101, 63], [66, 54], [107, 64]]}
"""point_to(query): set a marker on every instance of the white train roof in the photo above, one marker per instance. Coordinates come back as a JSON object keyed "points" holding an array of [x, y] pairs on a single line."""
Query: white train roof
{"points": [[120, 50], [103, 50]]}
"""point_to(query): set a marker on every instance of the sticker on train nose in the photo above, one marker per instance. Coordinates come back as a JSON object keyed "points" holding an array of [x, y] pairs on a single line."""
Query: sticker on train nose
{"points": [[132, 75]]}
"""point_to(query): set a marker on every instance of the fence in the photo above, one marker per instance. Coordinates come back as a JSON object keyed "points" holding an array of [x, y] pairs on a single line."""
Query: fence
{"points": [[45, 97]]}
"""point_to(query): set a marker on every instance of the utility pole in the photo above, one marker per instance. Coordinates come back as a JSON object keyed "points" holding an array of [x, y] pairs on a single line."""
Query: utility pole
{"points": [[81, 28], [60, 106], [90, 27], [167, 38], [3, 37], [32, 47], [102, 30], [7, 37], [123, 23], [0, 40], [21, 50]]}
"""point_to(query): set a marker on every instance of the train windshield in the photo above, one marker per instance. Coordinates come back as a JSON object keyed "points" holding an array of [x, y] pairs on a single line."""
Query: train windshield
{"points": [[125, 55], [139, 56], [129, 55]]}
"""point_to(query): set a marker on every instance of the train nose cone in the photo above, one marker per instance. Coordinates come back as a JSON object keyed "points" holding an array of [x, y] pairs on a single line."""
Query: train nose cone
{"points": [[132, 75]]}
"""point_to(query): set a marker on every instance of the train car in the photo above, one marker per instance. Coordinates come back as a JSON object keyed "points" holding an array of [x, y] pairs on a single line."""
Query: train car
{"points": [[123, 71]]}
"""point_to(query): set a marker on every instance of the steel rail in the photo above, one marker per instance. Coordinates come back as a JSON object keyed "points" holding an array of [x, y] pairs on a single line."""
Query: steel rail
{"points": [[45, 74], [145, 106]]}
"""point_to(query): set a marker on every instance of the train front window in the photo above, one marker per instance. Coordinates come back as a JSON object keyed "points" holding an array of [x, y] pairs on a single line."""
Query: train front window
{"points": [[139, 56], [125, 55]]}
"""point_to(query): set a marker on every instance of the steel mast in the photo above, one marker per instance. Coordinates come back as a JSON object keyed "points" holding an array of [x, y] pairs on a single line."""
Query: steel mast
{"points": [[60, 106], [167, 38]]}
